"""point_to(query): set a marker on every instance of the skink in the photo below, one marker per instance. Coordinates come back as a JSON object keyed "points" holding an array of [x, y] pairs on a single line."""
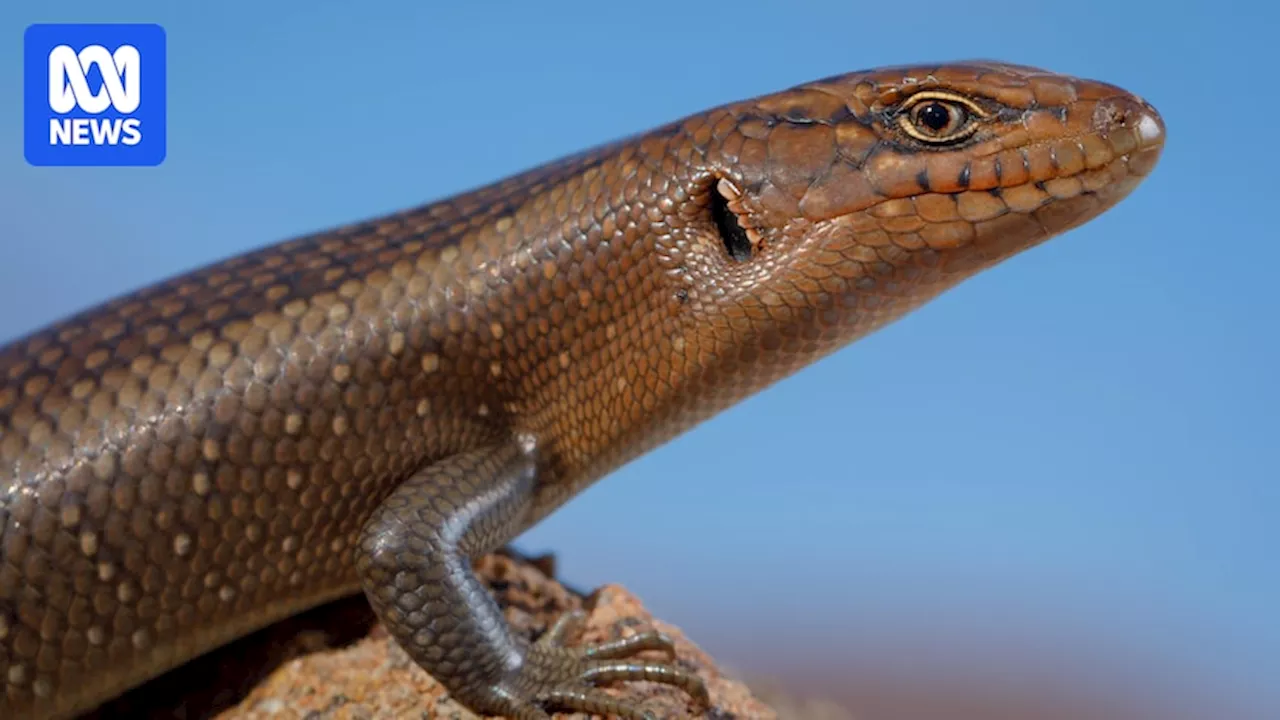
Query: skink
{"points": [[371, 407]]}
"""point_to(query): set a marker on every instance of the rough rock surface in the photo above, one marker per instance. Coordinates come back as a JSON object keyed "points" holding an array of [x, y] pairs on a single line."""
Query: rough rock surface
{"points": [[338, 662]]}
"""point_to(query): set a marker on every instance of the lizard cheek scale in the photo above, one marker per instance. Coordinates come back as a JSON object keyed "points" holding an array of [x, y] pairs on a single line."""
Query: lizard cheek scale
{"points": [[369, 408]]}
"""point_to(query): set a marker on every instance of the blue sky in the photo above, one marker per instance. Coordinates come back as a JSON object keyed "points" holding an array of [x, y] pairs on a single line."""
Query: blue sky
{"points": [[1074, 454]]}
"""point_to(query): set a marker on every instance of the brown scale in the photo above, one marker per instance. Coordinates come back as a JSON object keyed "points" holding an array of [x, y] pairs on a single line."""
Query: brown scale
{"points": [[370, 407]]}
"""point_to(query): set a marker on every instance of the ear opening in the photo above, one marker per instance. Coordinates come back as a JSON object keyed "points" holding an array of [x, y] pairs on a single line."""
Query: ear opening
{"points": [[732, 235]]}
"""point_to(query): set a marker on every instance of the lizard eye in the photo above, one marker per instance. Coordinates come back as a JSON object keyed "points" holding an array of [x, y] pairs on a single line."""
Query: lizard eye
{"points": [[939, 118]]}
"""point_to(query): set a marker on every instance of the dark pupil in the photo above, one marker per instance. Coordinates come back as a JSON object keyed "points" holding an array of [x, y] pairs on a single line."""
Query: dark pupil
{"points": [[935, 116]]}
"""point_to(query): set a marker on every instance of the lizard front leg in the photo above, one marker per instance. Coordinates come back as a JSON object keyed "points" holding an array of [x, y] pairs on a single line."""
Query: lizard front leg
{"points": [[414, 561]]}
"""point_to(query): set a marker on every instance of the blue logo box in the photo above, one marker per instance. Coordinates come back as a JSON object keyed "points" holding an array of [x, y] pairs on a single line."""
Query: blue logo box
{"points": [[94, 95]]}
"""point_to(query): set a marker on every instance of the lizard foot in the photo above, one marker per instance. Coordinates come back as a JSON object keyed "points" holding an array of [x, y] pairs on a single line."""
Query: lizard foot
{"points": [[557, 676]]}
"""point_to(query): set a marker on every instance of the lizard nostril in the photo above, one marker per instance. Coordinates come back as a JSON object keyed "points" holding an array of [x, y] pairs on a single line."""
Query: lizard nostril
{"points": [[1130, 123], [1110, 115]]}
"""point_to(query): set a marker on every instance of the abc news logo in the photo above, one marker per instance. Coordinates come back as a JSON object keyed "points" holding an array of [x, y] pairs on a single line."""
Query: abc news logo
{"points": [[94, 94], [69, 90]]}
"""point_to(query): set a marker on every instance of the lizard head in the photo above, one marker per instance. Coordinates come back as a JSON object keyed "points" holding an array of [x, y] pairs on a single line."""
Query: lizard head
{"points": [[838, 206]]}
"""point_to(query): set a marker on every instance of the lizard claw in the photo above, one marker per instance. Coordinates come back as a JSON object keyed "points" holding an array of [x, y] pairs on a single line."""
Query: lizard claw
{"points": [[561, 677]]}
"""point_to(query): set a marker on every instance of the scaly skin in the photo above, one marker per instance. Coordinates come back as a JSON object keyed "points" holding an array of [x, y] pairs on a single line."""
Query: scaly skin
{"points": [[373, 406]]}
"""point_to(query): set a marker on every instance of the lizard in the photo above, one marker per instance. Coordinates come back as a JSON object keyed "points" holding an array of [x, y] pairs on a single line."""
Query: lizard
{"points": [[368, 408]]}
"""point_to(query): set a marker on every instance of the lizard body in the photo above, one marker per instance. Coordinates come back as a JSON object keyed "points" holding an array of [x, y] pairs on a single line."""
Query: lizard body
{"points": [[370, 407]]}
